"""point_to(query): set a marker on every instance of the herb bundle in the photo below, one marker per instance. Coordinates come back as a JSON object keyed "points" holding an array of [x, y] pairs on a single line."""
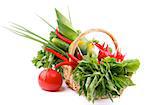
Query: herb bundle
{"points": [[106, 79]]}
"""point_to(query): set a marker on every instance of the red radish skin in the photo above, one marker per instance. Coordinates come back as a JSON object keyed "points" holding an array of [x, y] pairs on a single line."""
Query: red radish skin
{"points": [[50, 80]]}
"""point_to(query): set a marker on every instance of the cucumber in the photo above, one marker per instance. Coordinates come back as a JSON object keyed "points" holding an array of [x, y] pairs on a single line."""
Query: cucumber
{"points": [[61, 44]]}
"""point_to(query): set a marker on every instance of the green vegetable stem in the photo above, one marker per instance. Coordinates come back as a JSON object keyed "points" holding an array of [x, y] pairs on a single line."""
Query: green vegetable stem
{"points": [[59, 43]]}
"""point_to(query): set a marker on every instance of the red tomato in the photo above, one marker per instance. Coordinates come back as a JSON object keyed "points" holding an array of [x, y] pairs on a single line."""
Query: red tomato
{"points": [[50, 80]]}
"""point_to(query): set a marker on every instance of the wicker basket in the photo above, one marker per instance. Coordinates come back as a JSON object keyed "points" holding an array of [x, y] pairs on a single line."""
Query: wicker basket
{"points": [[68, 69]]}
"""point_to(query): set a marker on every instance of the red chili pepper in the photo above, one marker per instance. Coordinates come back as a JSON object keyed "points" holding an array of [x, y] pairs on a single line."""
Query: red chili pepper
{"points": [[107, 48], [79, 56], [103, 44], [56, 53], [119, 56], [76, 60], [63, 63], [99, 46], [99, 62], [72, 64], [63, 38], [104, 52]]}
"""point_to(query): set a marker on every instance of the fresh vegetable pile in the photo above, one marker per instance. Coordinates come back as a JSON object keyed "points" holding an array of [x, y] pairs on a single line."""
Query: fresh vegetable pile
{"points": [[68, 55]]}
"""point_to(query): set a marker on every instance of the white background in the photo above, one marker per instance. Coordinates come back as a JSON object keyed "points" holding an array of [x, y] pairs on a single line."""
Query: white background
{"points": [[128, 20]]}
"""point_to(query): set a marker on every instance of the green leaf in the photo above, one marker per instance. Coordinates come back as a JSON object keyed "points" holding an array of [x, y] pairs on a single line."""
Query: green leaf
{"points": [[54, 47], [99, 81], [123, 81], [62, 19], [52, 35], [81, 87], [117, 69], [109, 59], [84, 87], [88, 81], [67, 31], [91, 89], [132, 65], [39, 64], [111, 87], [110, 96]]}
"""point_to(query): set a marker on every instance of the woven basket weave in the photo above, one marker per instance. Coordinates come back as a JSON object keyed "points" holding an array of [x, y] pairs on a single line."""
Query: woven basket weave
{"points": [[68, 69]]}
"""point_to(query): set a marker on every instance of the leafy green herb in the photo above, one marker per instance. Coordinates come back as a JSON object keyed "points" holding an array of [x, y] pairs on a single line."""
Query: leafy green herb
{"points": [[46, 60], [105, 79], [43, 59]]}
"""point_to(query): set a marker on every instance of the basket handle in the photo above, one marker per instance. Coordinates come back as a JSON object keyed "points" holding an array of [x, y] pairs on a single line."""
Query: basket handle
{"points": [[74, 44]]}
